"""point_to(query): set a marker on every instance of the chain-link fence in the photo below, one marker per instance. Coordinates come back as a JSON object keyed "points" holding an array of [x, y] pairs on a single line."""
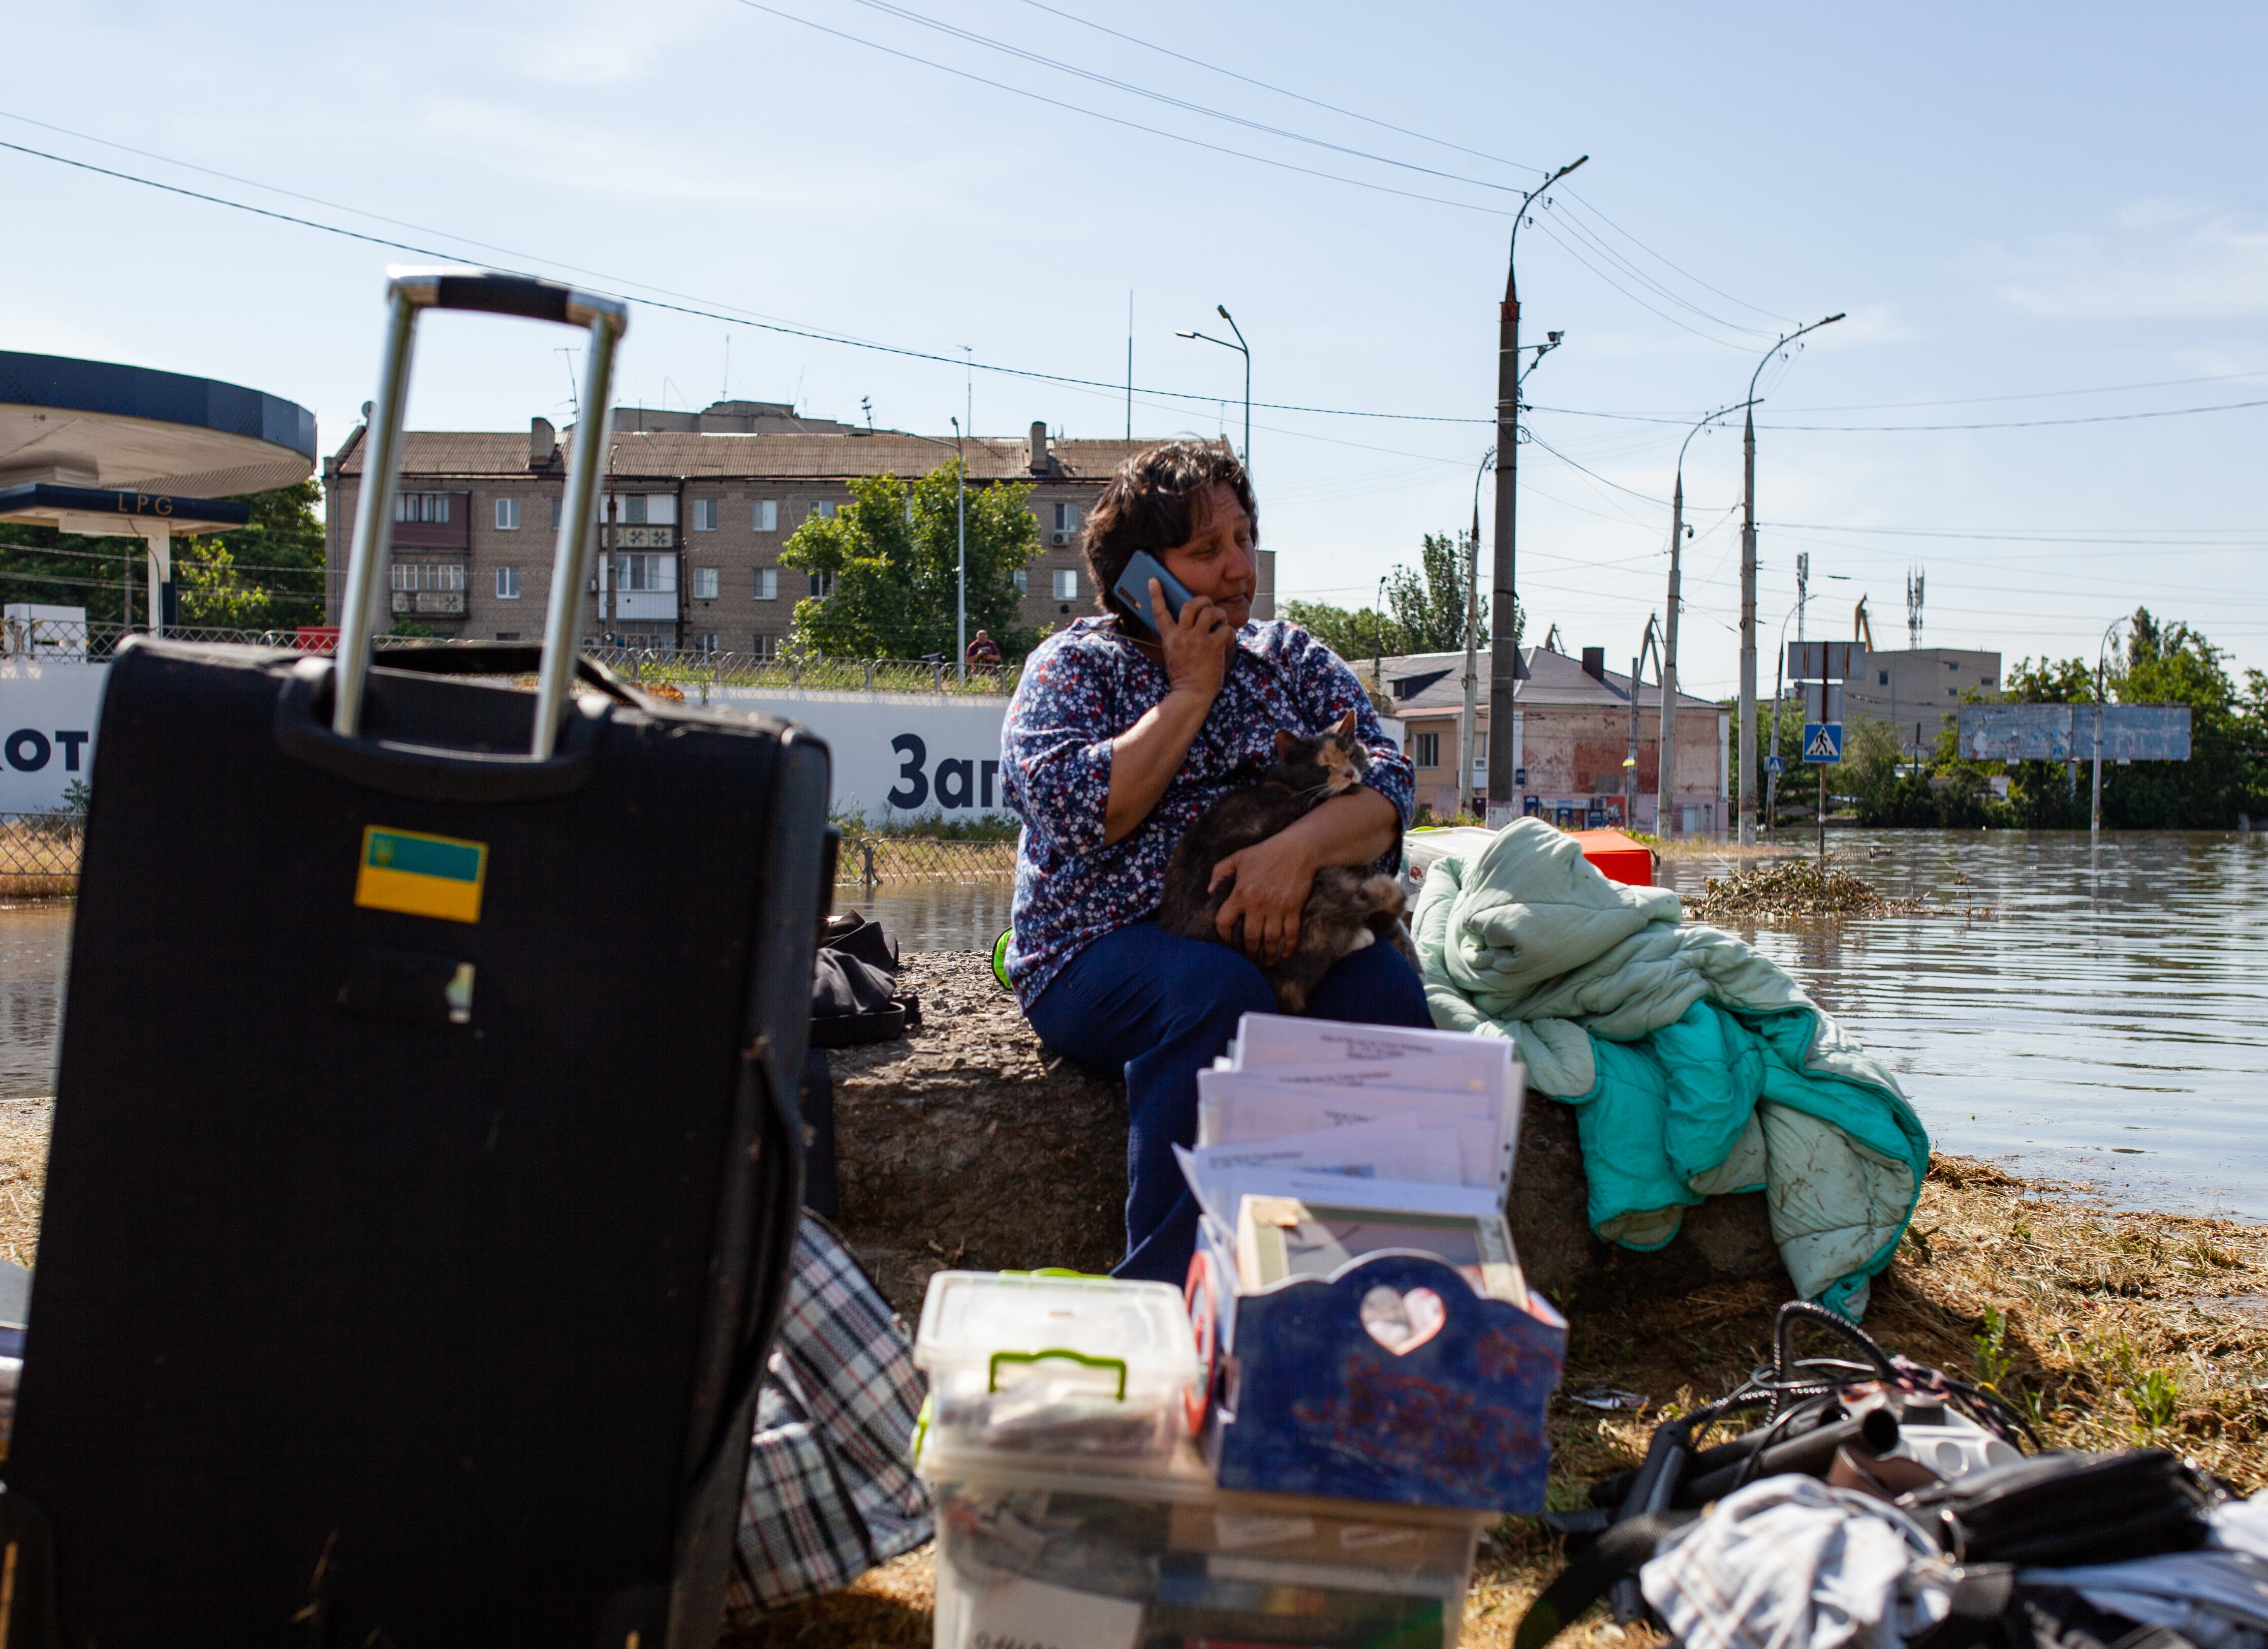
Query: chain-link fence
{"points": [[649, 666], [870, 861], [40, 856], [39, 853]]}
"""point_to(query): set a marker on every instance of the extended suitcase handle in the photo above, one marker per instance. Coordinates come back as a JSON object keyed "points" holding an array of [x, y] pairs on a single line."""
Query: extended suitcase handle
{"points": [[409, 292]]}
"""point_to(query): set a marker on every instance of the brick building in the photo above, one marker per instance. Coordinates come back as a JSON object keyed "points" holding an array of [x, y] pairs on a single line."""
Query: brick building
{"points": [[1571, 735], [1918, 690], [695, 507]]}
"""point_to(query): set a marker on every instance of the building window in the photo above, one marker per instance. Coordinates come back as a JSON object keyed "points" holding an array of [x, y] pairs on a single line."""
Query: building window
{"points": [[507, 511], [704, 515], [704, 579], [645, 573], [557, 504], [823, 509], [1023, 581], [642, 509], [507, 583], [1885, 676], [1067, 518], [767, 584], [1428, 753], [1066, 584], [822, 585], [429, 575], [1952, 692], [421, 507], [704, 644], [765, 517]]}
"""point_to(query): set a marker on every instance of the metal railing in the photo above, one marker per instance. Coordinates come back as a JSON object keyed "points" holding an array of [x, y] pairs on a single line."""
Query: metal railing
{"points": [[686, 669], [40, 852]]}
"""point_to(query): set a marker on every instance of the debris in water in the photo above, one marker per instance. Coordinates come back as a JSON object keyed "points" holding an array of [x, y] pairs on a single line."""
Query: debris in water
{"points": [[1794, 887]]}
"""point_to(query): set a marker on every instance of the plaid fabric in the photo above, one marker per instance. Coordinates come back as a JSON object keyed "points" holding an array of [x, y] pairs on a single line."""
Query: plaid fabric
{"points": [[830, 1491]]}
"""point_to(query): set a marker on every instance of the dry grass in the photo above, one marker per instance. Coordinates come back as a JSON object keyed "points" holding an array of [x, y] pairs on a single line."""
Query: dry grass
{"points": [[2108, 1329]]}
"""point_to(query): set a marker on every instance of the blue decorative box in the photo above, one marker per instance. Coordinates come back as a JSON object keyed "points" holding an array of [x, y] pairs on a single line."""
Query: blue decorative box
{"points": [[1305, 1398]]}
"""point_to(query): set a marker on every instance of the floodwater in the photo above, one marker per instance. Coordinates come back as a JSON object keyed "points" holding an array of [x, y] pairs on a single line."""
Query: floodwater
{"points": [[2097, 1015]]}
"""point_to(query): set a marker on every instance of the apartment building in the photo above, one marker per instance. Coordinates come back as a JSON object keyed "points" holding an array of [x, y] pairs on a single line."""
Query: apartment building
{"points": [[695, 510], [1918, 690]]}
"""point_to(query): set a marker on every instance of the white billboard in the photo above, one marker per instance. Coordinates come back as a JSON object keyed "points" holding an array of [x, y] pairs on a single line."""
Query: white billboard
{"points": [[896, 754], [48, 709]]}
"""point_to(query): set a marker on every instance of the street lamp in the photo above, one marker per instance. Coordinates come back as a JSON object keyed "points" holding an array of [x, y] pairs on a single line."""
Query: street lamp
{"points": [[960, 537], [2101, 693], [1242, 349], [1378, 640], [1665, 771], [1504, 646], [1467, 730], [1749, 586]]}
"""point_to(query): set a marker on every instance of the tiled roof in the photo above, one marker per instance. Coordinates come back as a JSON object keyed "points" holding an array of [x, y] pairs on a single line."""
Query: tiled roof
{"points": [[1553, 679], [671, 455]]}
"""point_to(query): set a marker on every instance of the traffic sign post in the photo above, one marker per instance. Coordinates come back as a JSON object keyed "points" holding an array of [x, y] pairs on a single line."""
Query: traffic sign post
{"points": [[1823, 667], [1823, 742]]}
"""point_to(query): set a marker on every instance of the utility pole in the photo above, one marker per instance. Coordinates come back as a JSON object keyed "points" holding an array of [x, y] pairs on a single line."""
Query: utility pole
{"points": [[1749, 586], [1468, 728], [1665, 793], [1646, 644], [1505, 668]]}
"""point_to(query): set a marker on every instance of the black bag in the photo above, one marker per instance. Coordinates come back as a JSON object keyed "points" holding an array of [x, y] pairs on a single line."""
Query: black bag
{"points": [[855, 998], [2066, 1509], [424, 1177]]}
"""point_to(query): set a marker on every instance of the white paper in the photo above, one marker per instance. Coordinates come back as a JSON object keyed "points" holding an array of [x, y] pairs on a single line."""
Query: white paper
{"points": [[1277, 1039], [1400, 1148], [1443, 1072], [1236, 1106], [1033, 1615]]}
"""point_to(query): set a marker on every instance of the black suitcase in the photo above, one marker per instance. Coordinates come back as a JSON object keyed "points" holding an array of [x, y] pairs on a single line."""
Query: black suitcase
{"points": [[425, 1171]]}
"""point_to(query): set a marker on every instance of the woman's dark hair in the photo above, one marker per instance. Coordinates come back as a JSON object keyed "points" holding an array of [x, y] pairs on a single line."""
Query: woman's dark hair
{"points": [[1155, 501]]}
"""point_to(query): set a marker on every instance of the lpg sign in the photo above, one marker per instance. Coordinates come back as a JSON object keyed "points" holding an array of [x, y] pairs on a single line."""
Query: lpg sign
{"points": [[49, 710]]}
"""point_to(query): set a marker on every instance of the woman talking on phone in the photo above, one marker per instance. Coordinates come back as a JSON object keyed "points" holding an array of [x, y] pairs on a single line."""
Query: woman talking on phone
{"points": [[1123, 730]]}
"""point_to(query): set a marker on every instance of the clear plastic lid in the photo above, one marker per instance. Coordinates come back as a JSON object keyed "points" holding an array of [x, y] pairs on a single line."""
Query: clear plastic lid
{"points": [[1055, 1364]]}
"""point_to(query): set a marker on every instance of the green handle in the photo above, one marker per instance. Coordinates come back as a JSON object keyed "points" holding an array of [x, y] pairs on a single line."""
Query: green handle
{"points": [[1080, 1358], [1063, 1271]]}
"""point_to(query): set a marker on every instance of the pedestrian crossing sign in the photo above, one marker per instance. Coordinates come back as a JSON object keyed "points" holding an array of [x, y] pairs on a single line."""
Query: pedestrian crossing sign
{"points": [[1822, 741]]}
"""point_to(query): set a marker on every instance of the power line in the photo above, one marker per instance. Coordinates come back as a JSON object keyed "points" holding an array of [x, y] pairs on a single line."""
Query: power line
{"points": [[1585, 205], [740, 319], [1114, 120], [1282, 91], [907, 14]]}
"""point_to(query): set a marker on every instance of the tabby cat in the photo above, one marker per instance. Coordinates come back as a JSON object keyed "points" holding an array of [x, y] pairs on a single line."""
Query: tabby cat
{"points": [[1346, 909]]}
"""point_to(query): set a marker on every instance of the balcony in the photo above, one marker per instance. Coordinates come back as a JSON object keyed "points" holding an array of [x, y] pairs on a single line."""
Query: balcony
{"points": [[432, 603], [648, 604], [639, 537], [433, 520]]}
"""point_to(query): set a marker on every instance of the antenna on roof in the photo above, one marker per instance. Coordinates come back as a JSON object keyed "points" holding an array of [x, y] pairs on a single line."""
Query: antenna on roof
{"points": [[867, 407], [573, 399], [1913, 609], [725, 393]]}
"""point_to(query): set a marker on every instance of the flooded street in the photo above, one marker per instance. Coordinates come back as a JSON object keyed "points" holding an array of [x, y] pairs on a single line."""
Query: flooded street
{"points": [[2101, 1017]]}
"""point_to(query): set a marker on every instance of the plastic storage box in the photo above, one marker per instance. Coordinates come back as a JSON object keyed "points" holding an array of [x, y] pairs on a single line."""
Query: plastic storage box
{"points": [[1165, 1561], [1082, 1371]]}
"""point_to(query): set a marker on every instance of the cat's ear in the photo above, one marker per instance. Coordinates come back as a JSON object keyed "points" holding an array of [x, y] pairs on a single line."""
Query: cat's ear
{"points": [[1287, 746], [1344, 726]]}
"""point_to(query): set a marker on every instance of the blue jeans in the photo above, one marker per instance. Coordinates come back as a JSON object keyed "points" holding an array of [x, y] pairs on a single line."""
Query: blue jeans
{"points": [[1162, 1007]]}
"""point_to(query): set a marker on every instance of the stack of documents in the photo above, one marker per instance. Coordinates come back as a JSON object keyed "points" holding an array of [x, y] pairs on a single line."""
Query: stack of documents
{"points": [[1319, 1141]]}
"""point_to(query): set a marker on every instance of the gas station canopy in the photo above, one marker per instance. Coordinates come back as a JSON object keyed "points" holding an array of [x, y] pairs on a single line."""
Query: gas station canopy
{"points": [[94, 447]]}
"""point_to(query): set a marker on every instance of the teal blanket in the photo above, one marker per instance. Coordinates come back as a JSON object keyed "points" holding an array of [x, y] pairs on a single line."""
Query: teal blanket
{"points": [[1696, 1066]]}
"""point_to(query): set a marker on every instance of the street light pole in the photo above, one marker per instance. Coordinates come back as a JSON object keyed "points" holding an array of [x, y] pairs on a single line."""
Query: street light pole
{"points": [[1244, 349], [1665, 771], [1468, 728], [960, 549], [1749, 586], [1504, 647], [2101, 693]]}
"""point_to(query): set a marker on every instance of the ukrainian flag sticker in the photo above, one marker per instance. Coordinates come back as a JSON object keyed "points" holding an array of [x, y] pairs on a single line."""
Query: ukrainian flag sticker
{"points": [[421, 875]]}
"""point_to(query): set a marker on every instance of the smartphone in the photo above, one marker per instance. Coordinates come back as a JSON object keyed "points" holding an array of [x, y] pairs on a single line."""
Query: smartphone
{"points": [[1133, 588]]}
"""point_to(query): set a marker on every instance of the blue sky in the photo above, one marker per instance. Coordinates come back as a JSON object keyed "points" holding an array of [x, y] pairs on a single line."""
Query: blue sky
{"points": [[2011, 203]]}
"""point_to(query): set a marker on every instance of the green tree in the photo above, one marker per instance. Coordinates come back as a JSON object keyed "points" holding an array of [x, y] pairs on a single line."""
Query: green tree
{"points": [[1428, 601], [276, 559], [1353, 635], [888, 561]]}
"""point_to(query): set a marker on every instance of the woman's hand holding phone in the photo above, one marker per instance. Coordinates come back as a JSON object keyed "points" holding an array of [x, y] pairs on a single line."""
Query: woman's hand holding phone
{"points": [[1197, 644]]}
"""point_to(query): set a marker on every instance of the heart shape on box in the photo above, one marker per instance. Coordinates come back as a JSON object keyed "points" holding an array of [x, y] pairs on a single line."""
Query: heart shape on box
{"points": [[1402, 1322]]}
